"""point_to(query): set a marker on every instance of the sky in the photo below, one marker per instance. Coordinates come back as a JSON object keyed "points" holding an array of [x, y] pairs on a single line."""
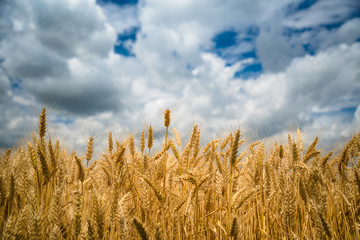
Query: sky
{"points": [[266, 67]]}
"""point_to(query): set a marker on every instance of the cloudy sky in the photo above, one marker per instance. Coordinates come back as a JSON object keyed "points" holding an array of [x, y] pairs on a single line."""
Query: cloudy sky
{"points": [[264, 66]]}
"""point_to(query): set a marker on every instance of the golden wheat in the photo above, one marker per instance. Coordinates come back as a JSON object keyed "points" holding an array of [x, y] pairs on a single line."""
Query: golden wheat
{"points": [[220, 191]]}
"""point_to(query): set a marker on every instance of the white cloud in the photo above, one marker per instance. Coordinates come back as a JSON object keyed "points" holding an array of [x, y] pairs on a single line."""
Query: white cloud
{"points": [[347, 33], [121, 18], [188, 27], [328, 80], [64, 54], [323, 12], [322, 39], [273, 49]]}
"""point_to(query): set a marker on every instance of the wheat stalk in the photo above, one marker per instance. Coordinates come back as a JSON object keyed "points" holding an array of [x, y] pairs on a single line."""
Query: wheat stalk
{"points": [[210, 191]]}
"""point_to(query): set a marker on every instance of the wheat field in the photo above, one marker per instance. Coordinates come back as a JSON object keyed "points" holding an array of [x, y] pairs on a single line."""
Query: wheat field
{"points": [[226, 189]]}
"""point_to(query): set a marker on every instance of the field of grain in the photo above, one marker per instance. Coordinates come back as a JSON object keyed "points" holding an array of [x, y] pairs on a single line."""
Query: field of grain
{"points": [[222, 190]]}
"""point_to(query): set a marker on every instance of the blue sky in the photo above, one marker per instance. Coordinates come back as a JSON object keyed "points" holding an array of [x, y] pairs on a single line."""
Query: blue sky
{"points": [[262, 66]]}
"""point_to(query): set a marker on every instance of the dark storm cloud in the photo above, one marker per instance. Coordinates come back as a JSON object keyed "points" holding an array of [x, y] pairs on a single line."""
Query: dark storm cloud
{"points": [[82, 99], [62, 29], [51, 36], [4, 86]]}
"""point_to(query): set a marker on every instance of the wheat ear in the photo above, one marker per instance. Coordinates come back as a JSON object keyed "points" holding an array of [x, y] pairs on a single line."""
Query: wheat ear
{"points": [[42, 124]]}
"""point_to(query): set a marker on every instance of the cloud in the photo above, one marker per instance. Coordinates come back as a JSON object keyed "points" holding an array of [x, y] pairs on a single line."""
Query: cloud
{"points": [[4, 86], [348, 33], [121, 18], [71, 27], [327, 81], [322, 12], [59, 53], [274, 50], [62, 54], [187, 27], [306, 27], [17, 52], [15, 122]]}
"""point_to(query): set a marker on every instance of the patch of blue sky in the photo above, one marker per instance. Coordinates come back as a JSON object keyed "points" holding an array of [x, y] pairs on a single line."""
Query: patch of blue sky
{"points": [[237, 53], [249, 71], [297, 6], [309, 49], [229, 38], [252, 32], [295, 34], [233, 46], [124, 42], [251, 54], [288, 31], [331, 26], [129, 34], [62, 120], [16, 84], [306, 4], [334, 22], [225, 39], [189, 67], [338, 20], [295, 37], [349, 110], [122, 50], [117, 2], [345, 114]]}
